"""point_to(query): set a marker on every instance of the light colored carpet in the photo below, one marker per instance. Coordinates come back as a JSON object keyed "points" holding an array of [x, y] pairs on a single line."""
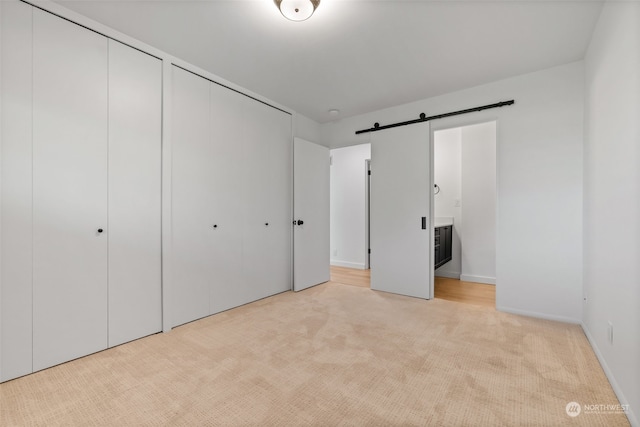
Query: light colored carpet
{"points": [[330, 355]]}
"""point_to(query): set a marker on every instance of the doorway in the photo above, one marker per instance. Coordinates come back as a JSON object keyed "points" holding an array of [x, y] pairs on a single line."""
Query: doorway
{"points": [[465, 199], [349, 213]]}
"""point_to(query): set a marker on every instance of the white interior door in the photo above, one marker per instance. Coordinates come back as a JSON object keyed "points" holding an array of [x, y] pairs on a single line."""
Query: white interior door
{"points": [[135, 92], [69, 191], [400, 210], [311, 214]]}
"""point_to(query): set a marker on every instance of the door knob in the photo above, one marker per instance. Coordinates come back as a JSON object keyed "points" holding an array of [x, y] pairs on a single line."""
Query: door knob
{"points": [[215, 225], [100, 230], [299, 222]]}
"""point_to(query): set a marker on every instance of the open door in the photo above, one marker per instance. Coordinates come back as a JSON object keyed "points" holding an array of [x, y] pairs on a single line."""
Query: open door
{"points": [[311, 214], [401, 243]]}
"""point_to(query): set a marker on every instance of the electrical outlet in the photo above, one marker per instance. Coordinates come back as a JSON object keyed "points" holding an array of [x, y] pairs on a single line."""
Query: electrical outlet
{"points": [[610, 332]]}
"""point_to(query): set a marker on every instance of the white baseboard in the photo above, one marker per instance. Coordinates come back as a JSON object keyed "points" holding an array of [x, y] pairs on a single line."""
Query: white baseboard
{"points": [[447, 274], [535, 314], [338, 263], [612, 380], [478, 279]]}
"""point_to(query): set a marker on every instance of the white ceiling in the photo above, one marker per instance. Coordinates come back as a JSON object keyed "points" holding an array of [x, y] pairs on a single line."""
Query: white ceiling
{"points": [[355, 55]]}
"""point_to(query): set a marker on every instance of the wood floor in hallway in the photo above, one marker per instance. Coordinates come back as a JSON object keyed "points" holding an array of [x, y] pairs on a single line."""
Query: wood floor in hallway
{"points": [[351, 276], [444, 288]]}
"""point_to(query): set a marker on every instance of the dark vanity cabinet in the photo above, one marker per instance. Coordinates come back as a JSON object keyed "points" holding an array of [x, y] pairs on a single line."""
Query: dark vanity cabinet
{"points": [[442, 241]]}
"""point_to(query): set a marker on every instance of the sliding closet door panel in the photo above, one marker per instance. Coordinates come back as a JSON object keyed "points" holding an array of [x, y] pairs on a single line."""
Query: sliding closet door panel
{"points": [[278, 136], [135, 113], [69, 191], [15, 303], [228, 290], [192, 213], [257, 198]]}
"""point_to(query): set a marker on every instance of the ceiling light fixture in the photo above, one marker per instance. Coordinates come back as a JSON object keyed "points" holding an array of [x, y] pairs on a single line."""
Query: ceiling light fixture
{"points": [[297, 10]]}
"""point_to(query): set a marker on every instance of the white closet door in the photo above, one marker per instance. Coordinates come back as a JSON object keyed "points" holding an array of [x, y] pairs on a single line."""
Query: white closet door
{"points": [[69, 191], [135, 113], [16, 297], [267, 200], [191, 198], [256, 194], [400, 209], [228, 290], [278, 137]]}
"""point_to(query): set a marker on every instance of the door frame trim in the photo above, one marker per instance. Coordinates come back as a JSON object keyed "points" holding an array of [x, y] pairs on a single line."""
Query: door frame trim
{"points": [[367, 214]]}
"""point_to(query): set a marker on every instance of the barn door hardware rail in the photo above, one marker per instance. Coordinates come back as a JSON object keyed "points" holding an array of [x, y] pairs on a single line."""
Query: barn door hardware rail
{"points": [[424, 118]]}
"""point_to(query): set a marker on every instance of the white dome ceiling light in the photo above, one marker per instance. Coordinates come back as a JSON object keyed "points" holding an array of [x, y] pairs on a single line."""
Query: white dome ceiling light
{"points": [[297, 10]]}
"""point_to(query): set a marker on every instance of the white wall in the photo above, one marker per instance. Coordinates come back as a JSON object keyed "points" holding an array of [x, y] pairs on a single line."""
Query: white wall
{"points": [[447, 162], [306, 128], [348, 209], [612, 198], [539, 181], [478, 226]]}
